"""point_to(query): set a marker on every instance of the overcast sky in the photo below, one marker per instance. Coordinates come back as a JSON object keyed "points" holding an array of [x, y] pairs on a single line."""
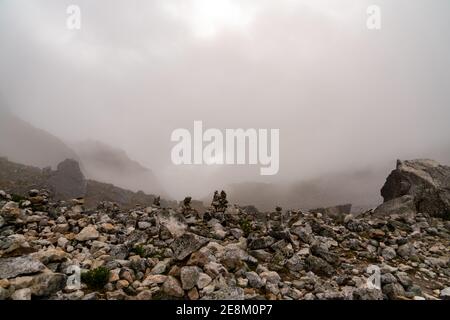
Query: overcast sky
{"points": [[342, 96]]}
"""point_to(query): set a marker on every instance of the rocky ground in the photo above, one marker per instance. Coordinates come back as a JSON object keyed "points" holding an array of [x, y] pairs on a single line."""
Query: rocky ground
{"points": [[228, 252]]}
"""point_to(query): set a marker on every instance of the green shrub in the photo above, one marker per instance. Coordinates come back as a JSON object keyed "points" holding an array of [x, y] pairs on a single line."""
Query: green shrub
{"points": [[245, 226], [96, 279], [17, 198], [140, 250]]}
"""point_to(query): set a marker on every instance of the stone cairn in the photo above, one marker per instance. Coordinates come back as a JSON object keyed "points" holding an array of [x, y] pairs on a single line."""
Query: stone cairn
{"points": [[157, 202], [186, 208], [218, 207]]}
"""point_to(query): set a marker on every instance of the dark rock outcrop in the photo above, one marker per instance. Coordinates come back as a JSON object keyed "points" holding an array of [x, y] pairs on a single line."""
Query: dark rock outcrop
{"points": [[68, 180], [426, 181]]}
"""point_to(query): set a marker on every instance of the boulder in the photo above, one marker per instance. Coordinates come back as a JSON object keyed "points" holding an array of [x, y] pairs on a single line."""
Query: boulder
{"points": [[260, 243], [186, 244], [15, 244], [48, 283], [427, 181], [394, 291], [403, 205], [172, 287], [319, 266], [88, 233], [203, 280], [68, 181], [13, 267], [50, 255], [189, 276]]}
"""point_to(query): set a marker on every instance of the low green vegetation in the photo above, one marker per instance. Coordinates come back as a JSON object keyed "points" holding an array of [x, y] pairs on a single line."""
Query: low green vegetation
{"points": [[96, 279], [246, 226], [140, 250]]}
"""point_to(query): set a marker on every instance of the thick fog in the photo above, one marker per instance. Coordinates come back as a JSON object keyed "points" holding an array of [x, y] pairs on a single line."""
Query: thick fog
{"points": [[344, 97]]}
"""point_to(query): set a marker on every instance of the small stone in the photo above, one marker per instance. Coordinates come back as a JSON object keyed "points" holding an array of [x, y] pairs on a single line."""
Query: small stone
{"points": [[21, 282], [62, 242], [367, 294], [203, 280], [198, 258], [160, 267], [116, 295], [4, 294], [33, 193], [154, 279], [271, 276], [387, 278], [394, 291], [445, 294], [122, 284], [261, 243], [193, 294], [254, 280], [172, 287], [319, 266], [388, 253], [242, 282], [404, 279], [405, 251], [91, 296], [189, 277], [144, 295], [114, 275], [142, 225], [22, 294], [88, 233], [4, 283], [295, 263]]}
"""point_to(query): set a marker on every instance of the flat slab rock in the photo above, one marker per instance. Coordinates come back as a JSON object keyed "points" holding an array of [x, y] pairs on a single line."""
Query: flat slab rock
{"points": [[13, 267], [186, 244]]}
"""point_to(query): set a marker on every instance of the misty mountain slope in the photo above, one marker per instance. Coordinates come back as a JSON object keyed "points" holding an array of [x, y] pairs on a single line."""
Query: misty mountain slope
{"points": [[361, 188], [104, 163], [68, 182], [23, 143]]}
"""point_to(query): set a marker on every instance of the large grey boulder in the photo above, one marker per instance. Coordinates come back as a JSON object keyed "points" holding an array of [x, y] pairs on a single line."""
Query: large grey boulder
{"points": [[48, 283], [403, 205], [13, 267], [68, 181], [427, 181]]}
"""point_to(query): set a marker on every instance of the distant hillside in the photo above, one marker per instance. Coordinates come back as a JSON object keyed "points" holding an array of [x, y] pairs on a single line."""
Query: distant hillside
{"points": [[23, 143], [360, 188], [104, 163], [68, 182]]}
